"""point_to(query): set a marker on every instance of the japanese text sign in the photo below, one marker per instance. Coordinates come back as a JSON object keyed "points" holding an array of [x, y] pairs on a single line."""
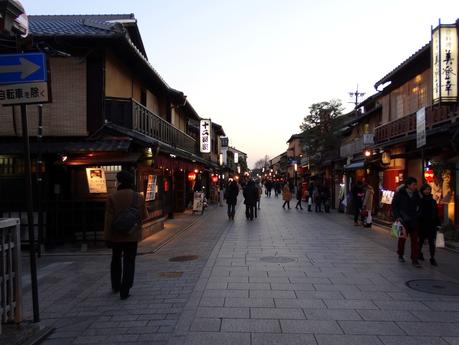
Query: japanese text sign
{"points": [[205, 130], [444, 63]]}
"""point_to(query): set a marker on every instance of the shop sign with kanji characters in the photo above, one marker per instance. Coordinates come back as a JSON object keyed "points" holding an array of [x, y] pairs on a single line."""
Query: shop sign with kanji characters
{"points": [[23, 79], [205, 136], [444, 63]]}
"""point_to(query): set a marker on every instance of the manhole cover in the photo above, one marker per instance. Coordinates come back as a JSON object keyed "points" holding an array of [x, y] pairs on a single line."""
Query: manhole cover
{"points": [[171, 274], [436, 287], [184, 258], [277, 259]]}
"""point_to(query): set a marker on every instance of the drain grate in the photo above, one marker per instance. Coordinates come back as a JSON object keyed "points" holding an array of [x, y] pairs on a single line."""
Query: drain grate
{"points": [[277, 259], [435, 287], [184, 258], [171, 274]]}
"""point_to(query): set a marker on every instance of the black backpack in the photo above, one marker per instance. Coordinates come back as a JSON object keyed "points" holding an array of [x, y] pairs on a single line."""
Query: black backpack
{"points": [[128, 220]]}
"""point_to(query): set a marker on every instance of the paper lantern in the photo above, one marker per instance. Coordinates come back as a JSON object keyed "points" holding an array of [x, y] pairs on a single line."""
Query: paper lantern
{"points": [[429, 175], [191, 176]]}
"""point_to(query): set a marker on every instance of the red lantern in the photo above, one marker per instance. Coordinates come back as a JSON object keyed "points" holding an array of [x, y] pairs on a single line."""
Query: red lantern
{"points": [[191, 176], [214, 178], [429, 175]]}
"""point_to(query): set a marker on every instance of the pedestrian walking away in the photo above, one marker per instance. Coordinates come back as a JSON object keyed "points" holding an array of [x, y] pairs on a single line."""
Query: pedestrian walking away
{"points": [[317, 198], [428, 222], [325, 198], [231, 193], [311, 196], [259, 194], [357, 200], [405, 208], [125, 211], [250, 199], [367, 205], [286, 196], [269, 187], [299, 196]]}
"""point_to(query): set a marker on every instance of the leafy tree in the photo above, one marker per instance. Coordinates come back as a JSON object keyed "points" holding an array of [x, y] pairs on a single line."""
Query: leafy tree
{"points": [[320, 128], [262, 163]]}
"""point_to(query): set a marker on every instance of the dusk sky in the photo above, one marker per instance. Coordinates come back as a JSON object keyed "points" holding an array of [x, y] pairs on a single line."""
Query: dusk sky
{"points": [[255, 66]]}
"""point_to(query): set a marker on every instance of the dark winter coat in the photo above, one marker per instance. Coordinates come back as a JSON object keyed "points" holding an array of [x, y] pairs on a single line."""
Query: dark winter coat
{"points": [[357, 194], [231, 193], [428, 215], [299, 193], [116, 203], [250, 194], [406, 208]]}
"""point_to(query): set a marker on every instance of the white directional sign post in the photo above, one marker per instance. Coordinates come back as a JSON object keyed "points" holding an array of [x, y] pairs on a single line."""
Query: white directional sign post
{"points": [[24, 80]]}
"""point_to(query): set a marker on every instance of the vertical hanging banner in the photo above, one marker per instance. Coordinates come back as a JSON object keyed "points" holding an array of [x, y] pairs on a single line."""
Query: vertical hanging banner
{"points": [[421, 127], [205, 129], [224, 145], [444, 63]]}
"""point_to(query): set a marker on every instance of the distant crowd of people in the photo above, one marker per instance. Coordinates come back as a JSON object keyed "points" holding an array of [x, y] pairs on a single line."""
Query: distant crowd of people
{"points": [[415, 211]]}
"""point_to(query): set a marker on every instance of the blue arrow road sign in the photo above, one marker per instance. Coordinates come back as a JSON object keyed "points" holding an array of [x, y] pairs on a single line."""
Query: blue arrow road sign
{"points": [[23, 68]]}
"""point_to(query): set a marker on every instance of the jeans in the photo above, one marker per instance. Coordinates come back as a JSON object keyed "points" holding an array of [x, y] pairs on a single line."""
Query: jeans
{"points": [[298, 204], [357, 210], [231, 210], [431, 236], [249, 211], [318, 206], [413, 233], [122, 275]]}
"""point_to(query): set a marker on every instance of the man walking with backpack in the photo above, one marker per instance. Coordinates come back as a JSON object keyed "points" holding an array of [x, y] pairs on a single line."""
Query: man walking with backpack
{"points": [[125, 211]]}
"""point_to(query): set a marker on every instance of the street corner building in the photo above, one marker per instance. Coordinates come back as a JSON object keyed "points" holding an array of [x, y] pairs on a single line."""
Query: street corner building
{"points": [[110, 110]]}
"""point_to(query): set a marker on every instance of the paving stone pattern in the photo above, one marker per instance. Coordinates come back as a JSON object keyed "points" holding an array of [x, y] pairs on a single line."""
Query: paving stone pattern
{"points": [[344, 286], [76, 298]]}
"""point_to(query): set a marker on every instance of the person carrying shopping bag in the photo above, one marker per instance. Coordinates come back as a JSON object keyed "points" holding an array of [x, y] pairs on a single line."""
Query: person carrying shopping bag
{"points": [[428, 222], [405, 208]]}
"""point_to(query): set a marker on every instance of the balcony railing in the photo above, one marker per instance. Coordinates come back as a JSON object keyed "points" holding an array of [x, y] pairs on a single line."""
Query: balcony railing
{"points": [[435, 116], [130, 114], [352, 147]]}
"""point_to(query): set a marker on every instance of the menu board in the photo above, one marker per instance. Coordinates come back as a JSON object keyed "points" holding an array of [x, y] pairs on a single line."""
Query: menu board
{"points": [[151, 188], [387, 196], [96, 180]]}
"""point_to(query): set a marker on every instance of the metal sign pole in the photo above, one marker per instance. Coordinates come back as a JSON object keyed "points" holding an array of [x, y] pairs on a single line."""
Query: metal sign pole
{"points": [[30, 221]]}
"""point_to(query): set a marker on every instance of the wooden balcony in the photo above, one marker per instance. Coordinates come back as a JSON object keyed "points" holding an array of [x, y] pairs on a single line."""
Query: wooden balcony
{"points": [[435, 116], [132, 115]]}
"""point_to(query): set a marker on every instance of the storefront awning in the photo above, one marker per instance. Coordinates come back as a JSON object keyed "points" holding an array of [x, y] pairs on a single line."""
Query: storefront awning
{"points": [[68, 147], [103, 159], [355, 165]]}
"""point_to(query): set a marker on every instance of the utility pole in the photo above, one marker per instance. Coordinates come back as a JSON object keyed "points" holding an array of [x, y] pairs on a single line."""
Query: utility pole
{"points": [[357, 95]]}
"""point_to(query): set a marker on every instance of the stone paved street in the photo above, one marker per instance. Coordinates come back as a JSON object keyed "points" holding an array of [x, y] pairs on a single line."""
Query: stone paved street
{"points": [[328, 282]]}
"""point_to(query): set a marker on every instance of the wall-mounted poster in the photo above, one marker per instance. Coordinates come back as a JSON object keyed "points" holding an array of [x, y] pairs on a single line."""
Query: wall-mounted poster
{"points": [[96, 180], [151, 188]]}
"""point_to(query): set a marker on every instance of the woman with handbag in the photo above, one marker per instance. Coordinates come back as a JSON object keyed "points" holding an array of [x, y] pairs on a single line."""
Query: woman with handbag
{"points": [[428, 222]]}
